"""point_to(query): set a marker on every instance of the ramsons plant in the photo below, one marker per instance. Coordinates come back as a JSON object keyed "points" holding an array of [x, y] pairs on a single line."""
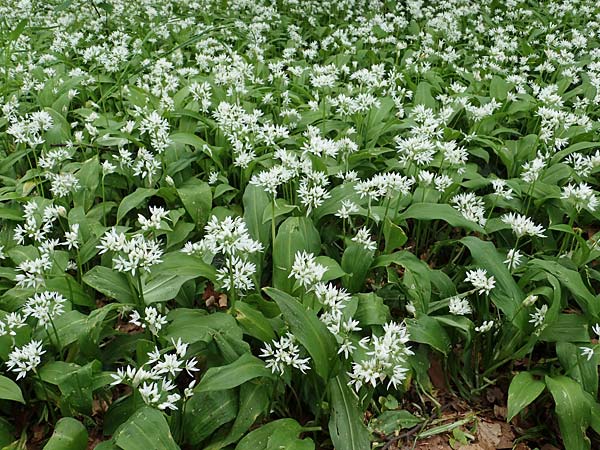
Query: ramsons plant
{"points": [[258, 225]]}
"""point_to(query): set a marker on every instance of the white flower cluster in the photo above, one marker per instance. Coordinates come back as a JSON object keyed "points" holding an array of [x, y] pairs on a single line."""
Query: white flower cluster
{"points": [[152, 320], [45, 307], [388, 358], [154, 380], [131, 254], [480, 281], [306, 271], [523, 225], [282, 353], [23, 359], [471, 207]]}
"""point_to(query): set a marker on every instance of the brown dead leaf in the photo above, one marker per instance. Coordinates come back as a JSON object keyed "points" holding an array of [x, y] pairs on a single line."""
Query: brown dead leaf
{"points": [[549, 447], [500, 412], [436, 374], [434, 443], [521, 446], [472, 447], [210, 301], [488, 434], [223, 300]]}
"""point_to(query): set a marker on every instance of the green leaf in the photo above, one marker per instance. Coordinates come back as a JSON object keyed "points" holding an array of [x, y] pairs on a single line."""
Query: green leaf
{"points": [[573, 282], [279, 434], [573, 411], [295, 234], [69, 434], [309, 331], [390, 422], [146, 429], [439, 211], [111, 283], [356, 262], [578, 367], [206, 412], [427, 330], [255, 202], [188, 139], [281, 209], [177, 263], [9, 390], [346, 427], [371, 310], [133, 200], [506, 295], [164, 287], [253, 322], [395, 237], [196, 197], [192, 325], [334, 270], [523, 390], [566, 328], [243, 369]]}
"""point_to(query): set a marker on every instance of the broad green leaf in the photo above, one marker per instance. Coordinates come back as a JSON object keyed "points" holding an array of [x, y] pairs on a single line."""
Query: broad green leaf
{"points": [[334, 270], [566, 328], [416, 278], [309, 331], [281, 209], [282, 432], [9, 390], [133, 200], [573, 282], [69, 434], [193, 325], [506, 295], [356, 261], [188, 139], [254, 401], [109, 282], [255, 202], [330, 206], [196, 197], [146, 429], [253, 322], [439, 211], [177, 263], [346, 427], [295, 234], [427, 330], [164, 287], [245, 368], [371, 310], [573, 411], [578, 367], [523, 390], [395, 237], [206, 412]]}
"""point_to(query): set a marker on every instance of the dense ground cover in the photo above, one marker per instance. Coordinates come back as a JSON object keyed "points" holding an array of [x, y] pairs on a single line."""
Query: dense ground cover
{"points": [[298, 224]]}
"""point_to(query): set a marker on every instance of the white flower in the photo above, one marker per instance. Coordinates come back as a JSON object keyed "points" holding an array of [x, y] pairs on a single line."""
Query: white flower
{"points": [[485, 326], [153, 320], [459, 306], [479, 279], [513, 258], [72, 237], [596, 329], [347, 208], [523, 225], [581, 196], [471, 207], [229, 236], [28, 357], [240, 273], [284, 353], [588, 352], [363, 237], [537, 317], [45, 307], [306, 270], [530, 300]]}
